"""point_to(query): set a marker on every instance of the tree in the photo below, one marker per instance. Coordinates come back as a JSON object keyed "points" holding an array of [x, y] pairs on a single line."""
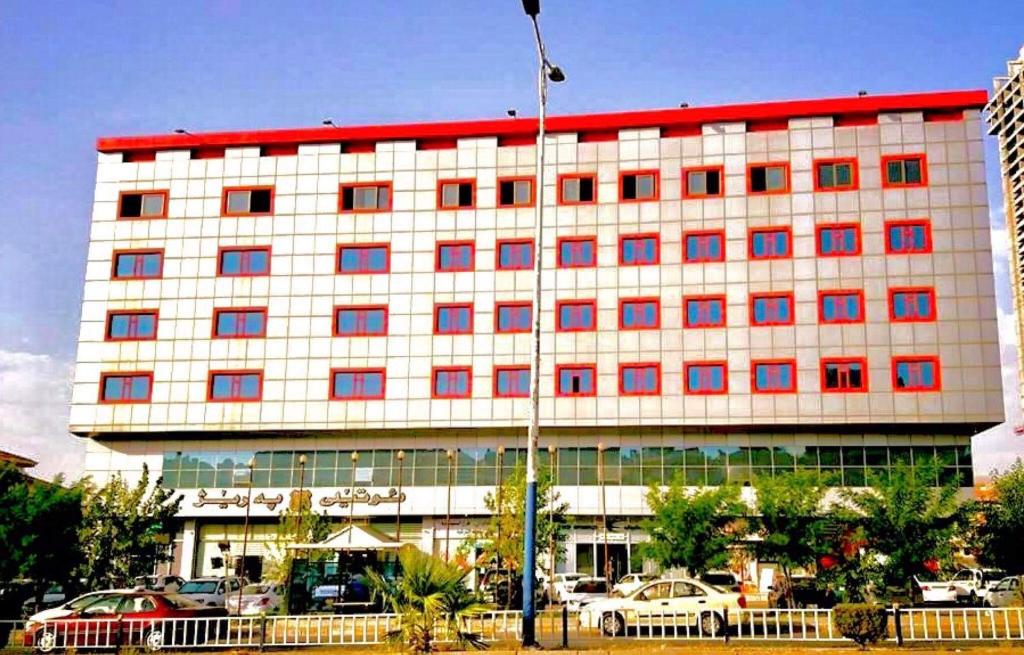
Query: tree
{"points": [[1000, 531], [296, 524], [692, 529]]}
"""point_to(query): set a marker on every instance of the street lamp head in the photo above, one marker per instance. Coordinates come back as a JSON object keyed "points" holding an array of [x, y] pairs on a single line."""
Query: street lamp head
{"points": [[251, 464], [450, 453], [501, 450], [600, 446], [355, 456], [555, 73], [531, 7], [401, 455], [551, 450], [302, 459]]}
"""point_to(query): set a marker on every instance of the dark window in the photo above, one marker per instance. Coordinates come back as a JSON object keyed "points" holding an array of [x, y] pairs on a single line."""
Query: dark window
{"points": [[515, 193], [835, 175], [578, 189], [241, 202], [143, 205], [639, 186], [768, 178], [703, 182], [844, 375], [365, 197], [904, 171], [456, 194]]}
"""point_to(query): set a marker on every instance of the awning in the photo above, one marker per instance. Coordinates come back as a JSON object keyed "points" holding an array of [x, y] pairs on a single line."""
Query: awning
{"points": [[353, 537]]}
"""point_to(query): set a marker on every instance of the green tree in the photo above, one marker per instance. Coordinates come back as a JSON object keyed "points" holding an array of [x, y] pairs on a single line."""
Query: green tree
{"points": [[296, 524], [1000, 530]]}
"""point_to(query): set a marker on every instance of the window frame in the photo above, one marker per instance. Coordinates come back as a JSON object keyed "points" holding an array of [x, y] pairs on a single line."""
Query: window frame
{"points": [[701, 298], [146, 192], [576, 176], [640, 299], [757, 295], [232, 189], [891, 296], [451, 369], [754, 363], [338, 308], [916, 359], [515, 178], [769, 228], [455, 243], [155, 313], [498, 304], [438, 306], [926, 223], [832, 161], [364, 246], [770, 164], [584, 394], [861, 306], [241, 249], [858, 242], [456, 180], [136, 251], [104, 375], [640, 235], [713, 392], [884, 167], [215, 372], [703, 233], [383, 383], [559, 263], [517, 241], [657, 370], [518, 368], [575, 302], [217, 311], [685, 181], [362, 185], [643, 171], [845, 360]]}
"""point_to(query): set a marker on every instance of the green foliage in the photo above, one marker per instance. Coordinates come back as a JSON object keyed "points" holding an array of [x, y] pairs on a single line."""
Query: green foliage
{"points": [[1000, 532], [297, 523], [432, 599], [862, 623]]}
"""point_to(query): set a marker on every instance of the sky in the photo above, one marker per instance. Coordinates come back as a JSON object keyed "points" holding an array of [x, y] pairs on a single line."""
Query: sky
{"points": [[74, 71]]}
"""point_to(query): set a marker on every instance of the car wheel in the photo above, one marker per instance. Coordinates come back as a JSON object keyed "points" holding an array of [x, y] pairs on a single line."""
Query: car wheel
{"points": [[711, 625], [973, 599], [45, 640], [153, 640], [612, 625]]}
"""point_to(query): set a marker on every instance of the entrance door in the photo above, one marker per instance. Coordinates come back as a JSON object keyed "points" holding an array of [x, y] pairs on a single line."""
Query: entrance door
{"points": [[619, 558]]}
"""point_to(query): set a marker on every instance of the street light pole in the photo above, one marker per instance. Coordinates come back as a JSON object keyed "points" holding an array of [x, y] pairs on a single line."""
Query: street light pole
{"points": [[448, 511], [245, 534], [398, 513], [301, 503]]}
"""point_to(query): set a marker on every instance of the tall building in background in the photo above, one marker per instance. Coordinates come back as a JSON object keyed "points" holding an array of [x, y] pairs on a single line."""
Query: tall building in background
{"points": [[729, 292], [1006, 120]]}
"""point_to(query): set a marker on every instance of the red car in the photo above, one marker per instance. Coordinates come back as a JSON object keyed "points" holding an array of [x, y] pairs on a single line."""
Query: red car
{"points": [[143, 618]]}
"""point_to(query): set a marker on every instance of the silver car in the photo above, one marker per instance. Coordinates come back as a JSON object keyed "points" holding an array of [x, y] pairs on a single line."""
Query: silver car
{"points": [[1008, 592]]}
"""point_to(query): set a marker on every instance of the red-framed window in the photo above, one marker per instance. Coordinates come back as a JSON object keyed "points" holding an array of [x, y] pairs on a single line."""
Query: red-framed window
{"points": [[706, 378], [639, 313], [358, 383], [639, 249], [703, 311], [768, 178], [137, 264], [454, 256], [916, 373], [513, 255], [364, 258], [247, 201], [243, 261], [364, 197], [901, 171], [911, 304], [576, 315], [838, 239], [770, 243], [836, 174], [456, 194], [771, 308], [234, 386], [640, 379], [703, 182], [451, 382], [703, 246], [911, 237], [841, 306], [577, 189], [639, 186], [142, 204], [516, 192], [575, 380], [131, 325], [773, 376], [361, 321], [453, 318], [577, 252], [240, 323], [513, 316], [511, 381], [119, 387], [844, 374]]}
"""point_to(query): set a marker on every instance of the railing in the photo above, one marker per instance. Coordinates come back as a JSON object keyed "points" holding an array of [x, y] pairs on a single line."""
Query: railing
{"points": [[961, 624]]}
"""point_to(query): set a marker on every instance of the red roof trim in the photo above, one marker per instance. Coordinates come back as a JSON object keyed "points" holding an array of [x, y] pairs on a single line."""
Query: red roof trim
{"points": [[510, 127]]}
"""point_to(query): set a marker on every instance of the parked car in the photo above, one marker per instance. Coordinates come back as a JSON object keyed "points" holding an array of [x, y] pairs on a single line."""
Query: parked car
{"points": [[264, 597], [676, 603], [73, 605], [727, 580], [168, 583], [1008, 592], [630, 582], [52, 597], [211, 591], [563, 584], [934, 591], [496, 587], [585, 591], [354, 593], [806, 593], [972, 585]]}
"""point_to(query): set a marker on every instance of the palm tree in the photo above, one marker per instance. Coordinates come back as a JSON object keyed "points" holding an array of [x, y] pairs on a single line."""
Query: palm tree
{"points": [[432, 600]]}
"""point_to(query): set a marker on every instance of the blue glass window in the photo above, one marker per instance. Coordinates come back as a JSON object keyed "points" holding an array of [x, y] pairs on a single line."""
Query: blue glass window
{"points": [[451, 383], [771, 243], [512, 382], [772, 309], [363, 259], [361, 321], [639, 314], [235, 386], [245, 261], [455, 257], [131, 325], [638, 250], [241, 323], [577, 316], [639, 379], [774, 377], [838, 240], [357, 384], [916, 374], [704, 312], [513, 317], [576, 381], [705, 378], [908, 237], [126, 388], [704, 247], [453, 319], [138, 264], [913, 305], [515, 255], [577, 253], [842, 307]]}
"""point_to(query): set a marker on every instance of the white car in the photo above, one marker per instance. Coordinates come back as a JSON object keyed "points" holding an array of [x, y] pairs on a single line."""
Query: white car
{"points": [[563, 584], [211, 591], [167, 583], [682, 605], [585, 591], [936, 592], [1008, 592], [71, 606], [262, 598], [630, 582], [972, 585]]}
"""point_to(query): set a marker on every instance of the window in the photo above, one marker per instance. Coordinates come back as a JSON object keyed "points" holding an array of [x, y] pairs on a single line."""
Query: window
{"points": [[239, 323], [703, 246], [456, 194], [841, 240], [706, 378], [126, 387], [577, 189], [704, 182], [357, 383], [511, 381], [248, 201], [773, 376], [774, 308], [638, 249], [131, 325], [452, 382], [454, 256], [361, 321], [771, 243], [908, 237], [767, 178], [576, 380], [577, 252], [835, 175], [142, 204], [235, 386], [512, 316], [514, 255], [703, 311], [639, 379], [244, 262], [638, 186], [137, 264], [848, 374], [639, 313], [911, 304], [916, 374], [364, 197], [841, 306], [364, 258], [904, 171], [453, 318], [515, 192], [576, 315]]}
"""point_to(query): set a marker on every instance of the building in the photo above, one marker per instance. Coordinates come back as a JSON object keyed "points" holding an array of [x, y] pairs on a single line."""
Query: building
{"points": [[19, 461], [1006, 121], [728, 291]]}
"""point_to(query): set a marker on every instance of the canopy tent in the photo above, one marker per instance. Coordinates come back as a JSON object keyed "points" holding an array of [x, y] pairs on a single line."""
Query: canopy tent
{"points": [[352, 537]]}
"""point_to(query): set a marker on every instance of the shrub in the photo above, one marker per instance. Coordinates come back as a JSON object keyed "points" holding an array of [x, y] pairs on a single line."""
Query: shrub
{"points": [[861, 622]]}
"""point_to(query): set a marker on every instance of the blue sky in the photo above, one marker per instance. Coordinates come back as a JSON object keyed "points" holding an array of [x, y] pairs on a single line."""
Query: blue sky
{"points": [[77, 70]]}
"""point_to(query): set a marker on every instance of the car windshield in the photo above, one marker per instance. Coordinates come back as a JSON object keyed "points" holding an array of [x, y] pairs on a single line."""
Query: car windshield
{"points": [[255, 589], [198, 587], [82, 601], [181, 602]]}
